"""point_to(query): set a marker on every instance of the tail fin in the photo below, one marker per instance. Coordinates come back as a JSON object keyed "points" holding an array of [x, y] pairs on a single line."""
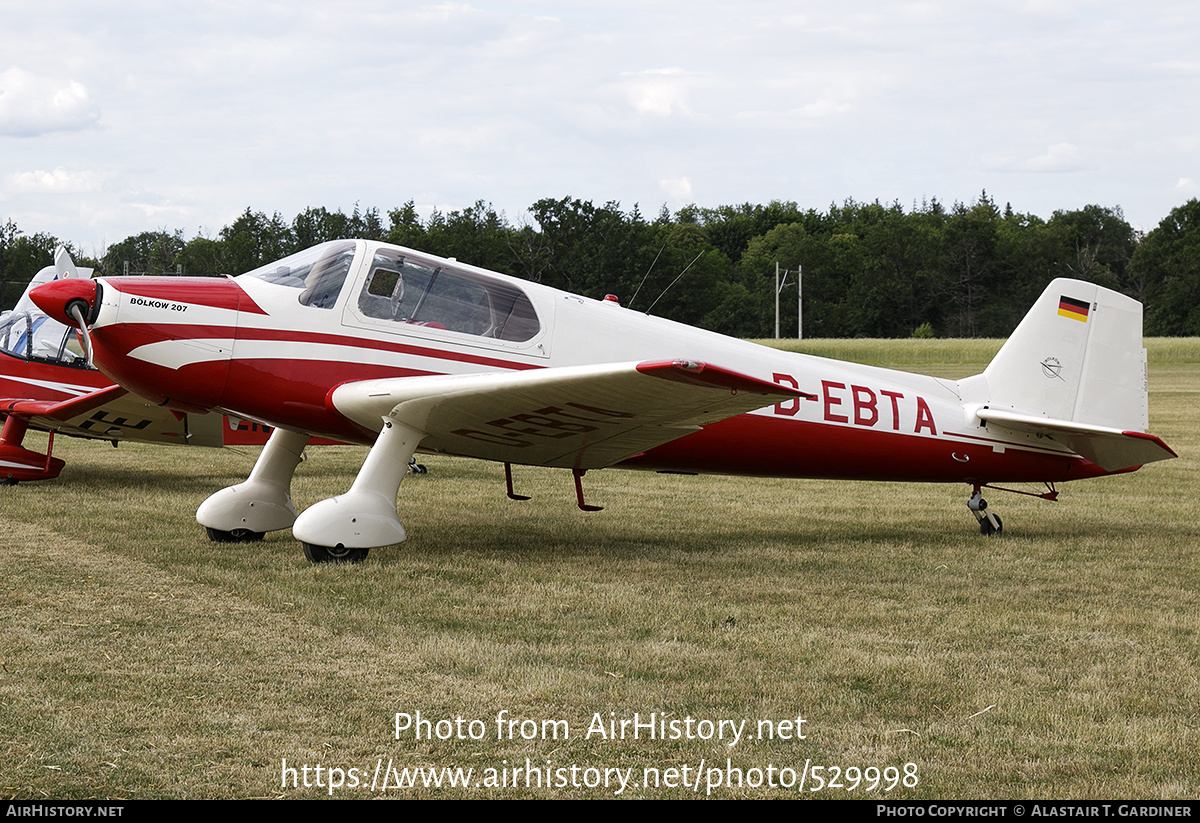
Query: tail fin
{"points": [[26, 330], [1075, 370], [64, 267], [1076, 356]]}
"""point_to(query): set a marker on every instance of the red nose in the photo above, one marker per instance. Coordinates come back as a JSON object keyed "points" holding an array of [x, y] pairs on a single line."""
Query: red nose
{"points": [[56, 298]]}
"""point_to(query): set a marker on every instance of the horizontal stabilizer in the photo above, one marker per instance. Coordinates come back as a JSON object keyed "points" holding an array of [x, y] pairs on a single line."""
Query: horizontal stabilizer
{"points": [[1110, 449], [61, 410], [113, 413]]}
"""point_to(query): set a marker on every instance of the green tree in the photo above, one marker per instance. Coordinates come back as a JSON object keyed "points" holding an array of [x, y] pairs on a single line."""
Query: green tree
{"points": [[970, 269], [404, 227], [794, 247], [591, 250], [1094, 244], [254, 240], [151, 252], [21, 257], [201, 257], [478, 236], [1168, 262], [731, 228]]}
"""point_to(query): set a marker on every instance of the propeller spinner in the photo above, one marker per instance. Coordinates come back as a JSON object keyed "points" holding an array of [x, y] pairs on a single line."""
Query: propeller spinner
{"points": [[72, 302]]}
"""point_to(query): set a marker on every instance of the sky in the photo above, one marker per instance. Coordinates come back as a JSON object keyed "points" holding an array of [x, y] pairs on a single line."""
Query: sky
{"points": [[123, 117]]}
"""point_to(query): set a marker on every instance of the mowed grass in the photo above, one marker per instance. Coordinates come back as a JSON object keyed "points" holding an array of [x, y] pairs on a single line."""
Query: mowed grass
{"points": [[1059, 660]]}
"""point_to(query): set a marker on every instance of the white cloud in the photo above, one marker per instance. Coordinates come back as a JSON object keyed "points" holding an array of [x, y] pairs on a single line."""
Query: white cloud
{"points": [[678, 189], [824, 107], [658, 91], [31, 105], [1186, 185], [57, 181], [1061, 157]]}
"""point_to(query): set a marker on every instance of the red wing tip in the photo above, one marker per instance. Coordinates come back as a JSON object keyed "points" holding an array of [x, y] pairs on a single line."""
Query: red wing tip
{"points": [[697, 373], [1152, 438], [62, 409]]}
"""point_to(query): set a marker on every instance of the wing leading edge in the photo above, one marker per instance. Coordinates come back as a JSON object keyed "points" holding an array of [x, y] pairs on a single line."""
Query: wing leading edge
{"points": [[585, 417]]}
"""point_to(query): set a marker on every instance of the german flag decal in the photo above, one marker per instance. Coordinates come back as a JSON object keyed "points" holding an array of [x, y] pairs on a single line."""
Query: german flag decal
{"points": [[1074, 309]]}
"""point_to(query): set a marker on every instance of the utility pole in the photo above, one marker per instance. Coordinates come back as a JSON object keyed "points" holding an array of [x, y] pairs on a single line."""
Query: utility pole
{"points": [[800, 302], [776, 299], [799, 299]]}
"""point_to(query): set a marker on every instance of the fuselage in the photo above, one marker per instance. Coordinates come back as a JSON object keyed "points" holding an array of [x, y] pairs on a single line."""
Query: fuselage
{"points": [[272, 345]]}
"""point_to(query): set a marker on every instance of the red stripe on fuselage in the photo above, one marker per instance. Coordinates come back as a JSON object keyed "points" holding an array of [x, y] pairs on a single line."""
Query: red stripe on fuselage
{"points": [[291, 336], [196, 291], [25, 378], [765, 446], [184, 332], [289, 392], [294, 394]]}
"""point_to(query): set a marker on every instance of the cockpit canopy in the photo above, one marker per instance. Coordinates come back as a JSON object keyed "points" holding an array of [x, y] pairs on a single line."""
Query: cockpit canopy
{"points": [[34, 336], [402, 287]]}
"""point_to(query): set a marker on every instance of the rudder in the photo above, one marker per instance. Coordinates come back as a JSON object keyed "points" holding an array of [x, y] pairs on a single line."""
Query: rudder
{"points": [[1076, 356]]}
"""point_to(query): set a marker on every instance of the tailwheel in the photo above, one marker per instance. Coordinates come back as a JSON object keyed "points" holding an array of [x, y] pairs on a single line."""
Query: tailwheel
{"points": [[234, 536], [989, 523], [333, 554]]}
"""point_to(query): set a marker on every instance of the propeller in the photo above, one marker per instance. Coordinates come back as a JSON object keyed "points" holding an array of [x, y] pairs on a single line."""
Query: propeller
{"points": [[75, 310], [72, 301]]}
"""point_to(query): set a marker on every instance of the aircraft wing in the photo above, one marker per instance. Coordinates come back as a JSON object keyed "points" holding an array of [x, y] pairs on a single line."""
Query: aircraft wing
{"points": [[582, 417], [112, 413], [1110, 449]]}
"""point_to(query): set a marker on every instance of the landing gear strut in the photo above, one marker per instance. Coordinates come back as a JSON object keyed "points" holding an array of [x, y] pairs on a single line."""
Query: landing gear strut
{"points": [[245, 512], [342, 529], [989, 523]]}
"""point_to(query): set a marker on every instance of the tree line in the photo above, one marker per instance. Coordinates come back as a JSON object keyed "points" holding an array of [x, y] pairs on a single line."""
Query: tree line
{"points": [[868, 269]]}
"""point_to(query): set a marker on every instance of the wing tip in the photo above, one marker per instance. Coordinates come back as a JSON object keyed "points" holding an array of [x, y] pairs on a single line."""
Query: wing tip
{"points": [[706, 375]]}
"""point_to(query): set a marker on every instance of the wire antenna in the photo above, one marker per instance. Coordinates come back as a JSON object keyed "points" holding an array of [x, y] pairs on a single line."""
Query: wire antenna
{"points": [[647, 274], [673, 282]]}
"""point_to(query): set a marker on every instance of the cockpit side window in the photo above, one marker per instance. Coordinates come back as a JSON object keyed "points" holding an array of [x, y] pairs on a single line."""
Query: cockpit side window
{"points": [[410, 291]]}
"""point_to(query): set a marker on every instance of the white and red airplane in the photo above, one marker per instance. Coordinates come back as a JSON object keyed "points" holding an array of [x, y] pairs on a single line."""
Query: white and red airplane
{"points": [[370, 343], [47, 384]]}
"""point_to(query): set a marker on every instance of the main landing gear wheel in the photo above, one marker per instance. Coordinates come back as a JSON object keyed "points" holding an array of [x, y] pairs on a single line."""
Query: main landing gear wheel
{"points": [[335, 554], [989, 523], [234, 536], [987, 529]]}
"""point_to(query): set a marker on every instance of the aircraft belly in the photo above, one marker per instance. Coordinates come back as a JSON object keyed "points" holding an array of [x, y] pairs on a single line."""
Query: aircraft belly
{"points": [[760, 445]]}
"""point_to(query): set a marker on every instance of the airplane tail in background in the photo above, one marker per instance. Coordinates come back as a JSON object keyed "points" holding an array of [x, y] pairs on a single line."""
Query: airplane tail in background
{"points": [[1075, 371], [27, 331], [64, 267]]}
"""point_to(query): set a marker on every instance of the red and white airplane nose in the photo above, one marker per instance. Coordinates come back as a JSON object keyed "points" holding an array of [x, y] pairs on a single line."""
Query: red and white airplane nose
{"points": [[173, 343], [61, 298]]}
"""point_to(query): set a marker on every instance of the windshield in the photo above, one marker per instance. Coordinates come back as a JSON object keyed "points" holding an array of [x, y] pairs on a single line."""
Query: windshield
{"points": [[317, 273], [34, 336]]}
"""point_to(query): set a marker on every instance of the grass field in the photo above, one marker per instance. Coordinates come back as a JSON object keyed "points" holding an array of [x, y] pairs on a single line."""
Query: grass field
{"points": [[1060, 660]]}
